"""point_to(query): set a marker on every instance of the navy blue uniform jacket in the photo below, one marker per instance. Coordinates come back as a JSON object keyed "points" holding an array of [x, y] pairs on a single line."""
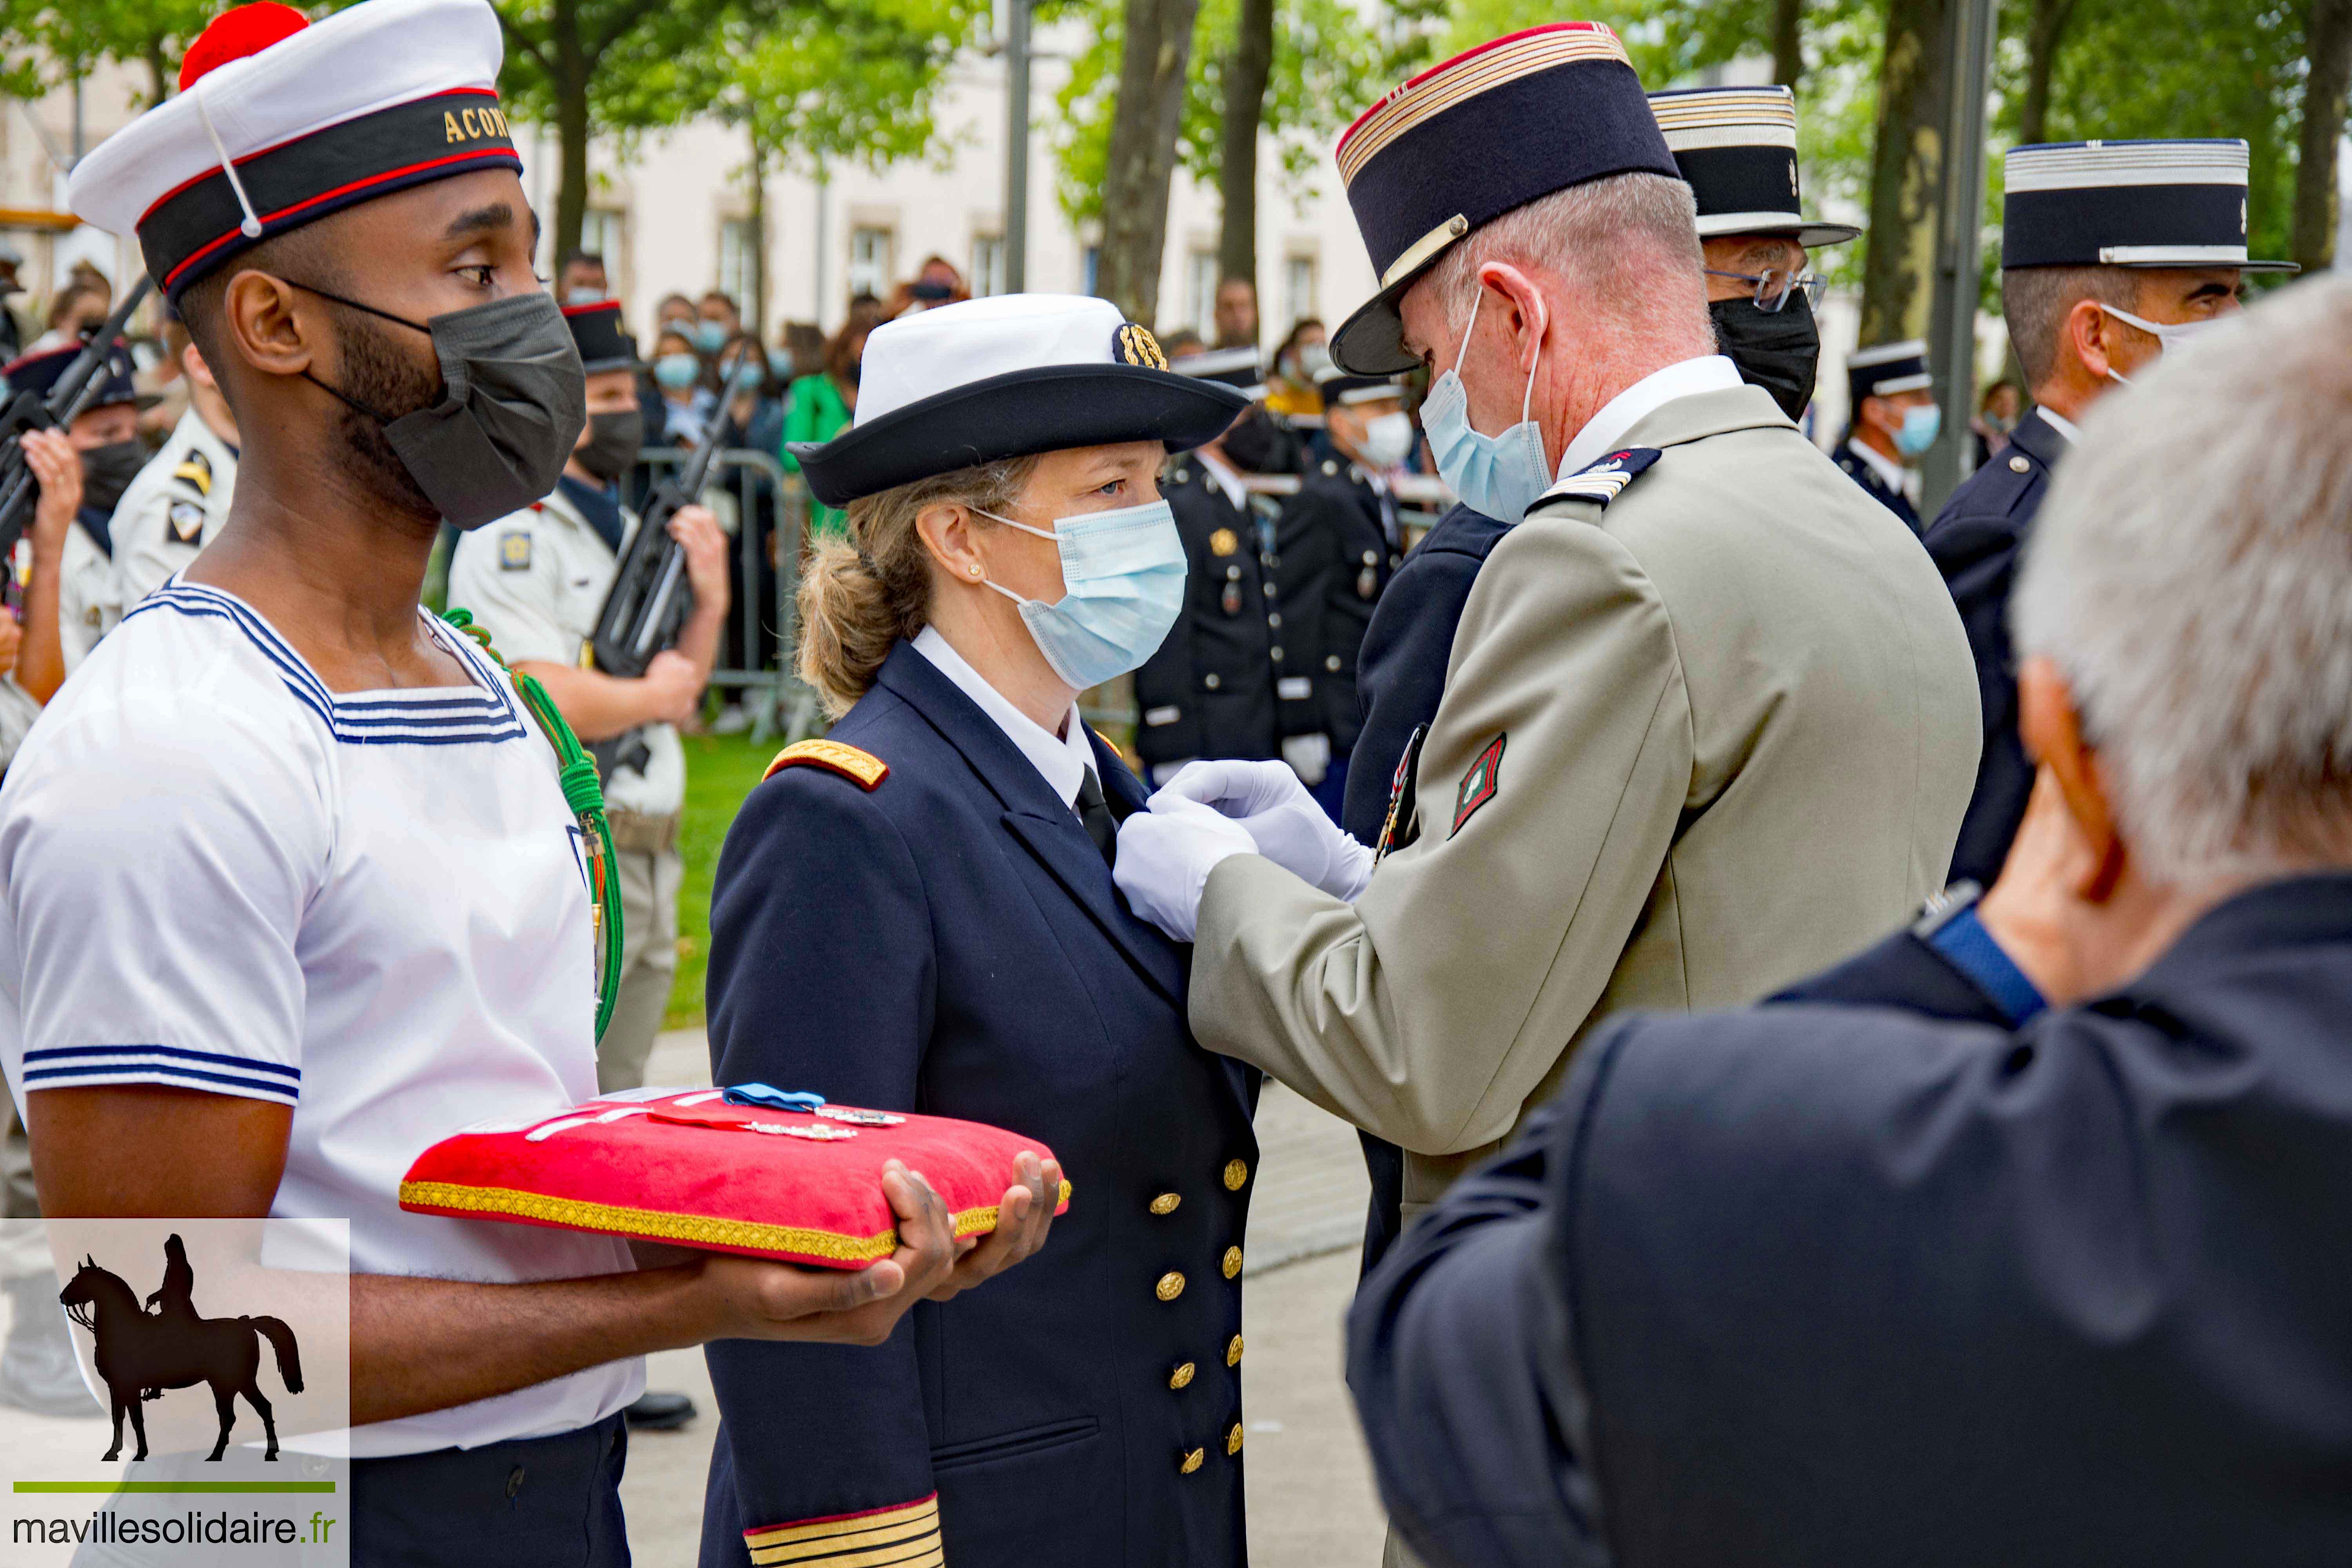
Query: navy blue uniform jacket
{"points": [[1863, 474], [1975, 542], [1336, 558], [950, 944], [1852, 1283], [1399, 676], [1208, 690]]}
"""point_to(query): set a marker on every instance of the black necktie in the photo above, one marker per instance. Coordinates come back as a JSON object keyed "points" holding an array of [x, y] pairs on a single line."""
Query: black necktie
{"points": [[1092, 811]]}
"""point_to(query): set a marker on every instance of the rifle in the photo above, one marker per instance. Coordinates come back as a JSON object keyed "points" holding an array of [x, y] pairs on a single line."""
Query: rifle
{"points": [[650, 599], [72, 393]]}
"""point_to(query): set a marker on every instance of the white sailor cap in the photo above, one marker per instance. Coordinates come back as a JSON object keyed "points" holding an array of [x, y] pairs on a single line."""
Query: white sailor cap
{"points": [[1008, 376], [1887, 368], [2175, 202], [281, 121], [1736, 147]]}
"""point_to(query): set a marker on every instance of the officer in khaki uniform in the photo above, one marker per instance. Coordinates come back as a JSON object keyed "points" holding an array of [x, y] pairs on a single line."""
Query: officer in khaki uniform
{"points": [[537, 581], [1709, 721], [181, 499]]}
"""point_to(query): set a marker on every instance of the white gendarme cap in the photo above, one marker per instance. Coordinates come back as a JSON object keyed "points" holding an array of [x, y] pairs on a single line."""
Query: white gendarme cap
{"points": [[281, 121]]}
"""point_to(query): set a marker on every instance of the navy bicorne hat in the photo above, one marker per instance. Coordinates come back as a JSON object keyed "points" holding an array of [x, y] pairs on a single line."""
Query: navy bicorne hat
{"points": [[1466, 142], [596, 334], [1886, 370], [1737, 148], [2128, 204]]}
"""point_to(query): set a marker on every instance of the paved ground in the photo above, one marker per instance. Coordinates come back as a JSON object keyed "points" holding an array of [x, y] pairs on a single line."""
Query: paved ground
{"points": [[1311, 1502]]}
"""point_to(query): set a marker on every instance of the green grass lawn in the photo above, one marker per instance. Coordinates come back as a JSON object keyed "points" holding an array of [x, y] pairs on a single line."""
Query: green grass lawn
{"points": [[720, 770]]}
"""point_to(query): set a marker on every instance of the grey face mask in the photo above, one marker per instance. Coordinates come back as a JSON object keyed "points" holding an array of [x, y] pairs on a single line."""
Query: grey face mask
{"points": [[513, 402]]}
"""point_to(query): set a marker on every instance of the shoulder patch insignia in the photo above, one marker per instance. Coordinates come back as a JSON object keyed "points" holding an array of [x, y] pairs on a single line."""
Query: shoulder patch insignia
{"points": [[1604, 482], [1224, 541], [514, 551], [862, 768], [184, 521], [1479, 785], [196, 471]]}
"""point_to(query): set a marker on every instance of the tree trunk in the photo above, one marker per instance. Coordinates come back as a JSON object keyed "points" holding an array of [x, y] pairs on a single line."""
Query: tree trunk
{"points": [[756, 282], [2045, 30], [1247, 70], [1788, 43], [1142, 154], [159, 74], [2327, 45], [1907, 175], [571, 87]]}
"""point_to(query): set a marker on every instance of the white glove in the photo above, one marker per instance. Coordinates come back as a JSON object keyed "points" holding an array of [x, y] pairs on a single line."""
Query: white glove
{"points": [[1165, 855], [1281, 819]]}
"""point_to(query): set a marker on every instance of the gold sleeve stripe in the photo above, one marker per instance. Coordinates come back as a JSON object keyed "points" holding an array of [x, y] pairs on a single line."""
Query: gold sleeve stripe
{"points": [[906, 1535], [927, 1554], [926, 1507], [866, 770], [903, 1537]]}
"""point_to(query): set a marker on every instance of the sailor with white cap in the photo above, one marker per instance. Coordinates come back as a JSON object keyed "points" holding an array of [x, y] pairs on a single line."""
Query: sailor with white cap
{"points": [[2112, 253], [1892, 421], [1736, 147], [1708, 721], [290, 887]]}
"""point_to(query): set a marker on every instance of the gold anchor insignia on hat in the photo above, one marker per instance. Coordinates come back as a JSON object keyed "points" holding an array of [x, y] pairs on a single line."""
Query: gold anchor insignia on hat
{"points": [[1135, 345]]}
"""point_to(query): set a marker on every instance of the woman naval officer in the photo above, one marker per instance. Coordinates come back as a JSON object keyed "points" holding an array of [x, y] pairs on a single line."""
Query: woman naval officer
{"points": [[917, 913]]}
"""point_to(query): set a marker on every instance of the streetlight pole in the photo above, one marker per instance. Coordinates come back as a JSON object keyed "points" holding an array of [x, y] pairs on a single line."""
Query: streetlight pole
{"points": [[1952, 333], [1016, 146]]}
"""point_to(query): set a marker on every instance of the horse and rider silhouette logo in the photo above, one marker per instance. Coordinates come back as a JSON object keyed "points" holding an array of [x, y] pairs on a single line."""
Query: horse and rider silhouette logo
{"points": [[139, 1352]]}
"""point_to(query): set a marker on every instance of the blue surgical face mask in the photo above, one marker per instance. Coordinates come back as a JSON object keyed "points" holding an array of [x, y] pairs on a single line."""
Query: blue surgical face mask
{"points": [[711, 336], [1920, 427], [677, 370], [1499, 476], [1123, 582], [779, 361], [583, 296]]}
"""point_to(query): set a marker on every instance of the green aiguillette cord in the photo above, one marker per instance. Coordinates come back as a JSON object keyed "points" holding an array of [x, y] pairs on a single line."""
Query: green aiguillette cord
{"points": [[576, 772]]}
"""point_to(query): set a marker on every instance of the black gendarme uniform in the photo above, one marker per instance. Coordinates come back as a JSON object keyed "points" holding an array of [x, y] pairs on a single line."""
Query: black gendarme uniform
{"points": [[1209, 691], [1340, 545], [1975, 542]]}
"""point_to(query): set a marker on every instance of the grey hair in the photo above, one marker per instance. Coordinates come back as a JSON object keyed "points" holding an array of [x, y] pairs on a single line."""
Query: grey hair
{"points": [[2192, 577], [2036, 300], [1611, 233]]}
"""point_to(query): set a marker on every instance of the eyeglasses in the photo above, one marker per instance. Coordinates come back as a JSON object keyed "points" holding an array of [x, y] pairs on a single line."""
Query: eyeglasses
{"points": [[1773, 288]]}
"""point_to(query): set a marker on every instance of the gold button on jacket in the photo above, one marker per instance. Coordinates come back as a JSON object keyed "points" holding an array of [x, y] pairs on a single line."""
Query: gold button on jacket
{"points": [[1170, 1286], [1236, 1172], [1165, 1204], [1182, 1377], [1232, 1263], [1192, 1461], [1234, 1352]]}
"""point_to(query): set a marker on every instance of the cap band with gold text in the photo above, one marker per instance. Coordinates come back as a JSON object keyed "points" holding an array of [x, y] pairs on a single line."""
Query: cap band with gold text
{"points": [[281, 121], [1468, 141]]}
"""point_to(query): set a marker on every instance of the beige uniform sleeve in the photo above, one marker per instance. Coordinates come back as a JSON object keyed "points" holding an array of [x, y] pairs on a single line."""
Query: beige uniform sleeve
{"points": [[512, 588], [1429, 1011]]}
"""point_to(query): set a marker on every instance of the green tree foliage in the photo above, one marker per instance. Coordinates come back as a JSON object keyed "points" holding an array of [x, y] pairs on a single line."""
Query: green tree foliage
{"points": [[853, 84], [50, 44], [1329, 64]]}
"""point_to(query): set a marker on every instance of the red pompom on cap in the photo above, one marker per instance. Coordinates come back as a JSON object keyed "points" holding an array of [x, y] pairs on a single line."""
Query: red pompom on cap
{"points": [[235, 34]]}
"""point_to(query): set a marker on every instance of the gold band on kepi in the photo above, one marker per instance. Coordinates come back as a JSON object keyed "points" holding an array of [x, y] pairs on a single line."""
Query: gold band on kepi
{"points": [[1737, 148], [1466, 141]]}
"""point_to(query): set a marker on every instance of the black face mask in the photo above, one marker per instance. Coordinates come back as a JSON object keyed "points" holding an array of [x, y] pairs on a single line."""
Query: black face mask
{"points": [[613, 440], [513, 399], [107, 471], [1777, 351]]}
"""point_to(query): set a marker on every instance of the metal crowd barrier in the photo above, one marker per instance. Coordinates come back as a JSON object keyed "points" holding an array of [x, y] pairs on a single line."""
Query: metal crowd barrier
{"points": [[762, 509]]}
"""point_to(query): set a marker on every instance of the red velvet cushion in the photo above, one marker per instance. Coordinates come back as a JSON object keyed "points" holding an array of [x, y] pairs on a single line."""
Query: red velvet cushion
{"points": [[684, 1166]]}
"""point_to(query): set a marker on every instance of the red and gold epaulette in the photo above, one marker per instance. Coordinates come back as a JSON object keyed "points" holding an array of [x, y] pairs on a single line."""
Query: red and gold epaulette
{"points": [[863, 768]]}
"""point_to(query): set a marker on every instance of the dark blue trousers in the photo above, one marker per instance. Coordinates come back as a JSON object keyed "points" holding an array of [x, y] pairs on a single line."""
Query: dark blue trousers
{"points": [[537, 1502]]}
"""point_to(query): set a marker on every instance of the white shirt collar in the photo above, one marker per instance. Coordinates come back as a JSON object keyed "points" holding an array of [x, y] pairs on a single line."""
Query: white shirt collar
{"points": [[1894, 475], [2060, 423], [1227, 480], [1062, 760], [1605, 431]]}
